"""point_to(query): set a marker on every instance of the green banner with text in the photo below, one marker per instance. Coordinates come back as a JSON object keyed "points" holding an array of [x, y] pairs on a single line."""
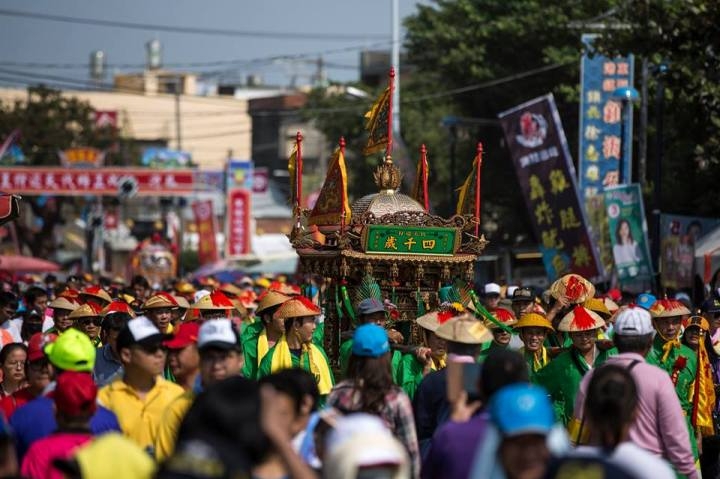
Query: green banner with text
{"points": [[381, 239]]}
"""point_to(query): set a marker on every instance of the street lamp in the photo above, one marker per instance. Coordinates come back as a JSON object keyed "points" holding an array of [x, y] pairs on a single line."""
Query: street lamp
{"points": [[624, 95]]}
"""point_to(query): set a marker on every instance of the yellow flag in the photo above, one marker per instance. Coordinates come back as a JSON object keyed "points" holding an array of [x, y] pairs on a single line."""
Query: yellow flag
{"points": [[376, 123], [466, 197], [292, 170], [332, 202]]}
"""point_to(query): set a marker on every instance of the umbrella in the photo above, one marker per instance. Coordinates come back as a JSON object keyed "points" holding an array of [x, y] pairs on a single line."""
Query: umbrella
{"points": [[224, 271], [26, 264]]}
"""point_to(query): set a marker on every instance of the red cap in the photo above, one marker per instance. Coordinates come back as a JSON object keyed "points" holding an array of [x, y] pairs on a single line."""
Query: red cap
{"points": [[37, 343], [615, 295], [75, 394], [186, 334]]}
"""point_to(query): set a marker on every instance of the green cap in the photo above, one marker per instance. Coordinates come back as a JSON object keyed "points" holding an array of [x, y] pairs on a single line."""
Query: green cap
{"points": [[72, 351]]}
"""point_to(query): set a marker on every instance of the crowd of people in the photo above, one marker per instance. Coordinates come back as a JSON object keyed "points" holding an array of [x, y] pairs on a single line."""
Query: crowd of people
{"points": [[218, 380]]}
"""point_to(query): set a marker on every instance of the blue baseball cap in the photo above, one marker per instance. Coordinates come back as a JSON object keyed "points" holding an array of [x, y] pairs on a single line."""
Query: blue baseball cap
{"points": [[522, 409], [711, 305], [645, 300], [370, 341]]}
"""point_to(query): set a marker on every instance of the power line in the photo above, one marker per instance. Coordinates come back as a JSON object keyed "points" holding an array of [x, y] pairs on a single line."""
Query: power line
{"points": [[358, 109], [84, 66], [189, 30], [487, 84]]}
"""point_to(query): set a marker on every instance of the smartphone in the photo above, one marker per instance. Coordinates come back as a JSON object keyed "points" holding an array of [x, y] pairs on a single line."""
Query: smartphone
{"points": [[463, 377]]}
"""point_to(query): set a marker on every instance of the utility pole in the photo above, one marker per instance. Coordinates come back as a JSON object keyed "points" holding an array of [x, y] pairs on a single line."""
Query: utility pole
{"points": [[642, 139], [395, 60], [178, 82]]}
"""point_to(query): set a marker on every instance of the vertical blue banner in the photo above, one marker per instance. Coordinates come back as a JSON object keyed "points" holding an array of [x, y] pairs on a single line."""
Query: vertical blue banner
{"points": [[601, 141]]}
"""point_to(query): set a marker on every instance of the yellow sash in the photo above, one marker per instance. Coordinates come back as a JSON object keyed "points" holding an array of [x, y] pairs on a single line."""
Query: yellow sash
{"points": [[442, 362], [704, 393], [312, 358], [539, 360], [262, 346]]}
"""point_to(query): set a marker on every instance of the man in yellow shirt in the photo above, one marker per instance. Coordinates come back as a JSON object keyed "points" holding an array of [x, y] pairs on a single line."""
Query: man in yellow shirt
{"points": [[140, 397], [221, 357]]}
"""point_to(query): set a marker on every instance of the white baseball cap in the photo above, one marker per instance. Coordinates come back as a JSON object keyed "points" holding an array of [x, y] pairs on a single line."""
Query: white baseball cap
{"points": [[139, 330], [362, 440], [492, 288], [510, 291], [633, 321], [218, 333]]}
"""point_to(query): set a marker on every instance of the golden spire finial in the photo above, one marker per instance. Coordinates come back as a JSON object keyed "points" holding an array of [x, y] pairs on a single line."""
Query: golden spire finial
{"points": [[387, 175]]}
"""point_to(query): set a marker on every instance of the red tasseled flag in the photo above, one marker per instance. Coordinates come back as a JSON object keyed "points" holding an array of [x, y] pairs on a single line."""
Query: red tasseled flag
{"points": [[574, 288], [582, 319], [444, 316]]}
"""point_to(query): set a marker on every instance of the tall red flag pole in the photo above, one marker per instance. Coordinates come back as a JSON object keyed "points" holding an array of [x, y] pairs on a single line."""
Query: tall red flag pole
{"points": [[299, 171], [477, 188], [424, 173], [388, 151]]}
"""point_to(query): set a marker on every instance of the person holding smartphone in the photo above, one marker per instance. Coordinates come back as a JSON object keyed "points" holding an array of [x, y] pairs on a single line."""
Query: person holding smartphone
{"points": [[464, 336]]}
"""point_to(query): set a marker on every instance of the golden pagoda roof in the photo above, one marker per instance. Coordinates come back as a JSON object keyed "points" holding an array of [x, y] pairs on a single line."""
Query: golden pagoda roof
{"points": [[383, 203]]}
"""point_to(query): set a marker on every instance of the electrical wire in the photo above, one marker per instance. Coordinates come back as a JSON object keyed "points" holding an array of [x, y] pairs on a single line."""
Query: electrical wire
{"points": [[189, 30], [85, 66], [360, 108]]}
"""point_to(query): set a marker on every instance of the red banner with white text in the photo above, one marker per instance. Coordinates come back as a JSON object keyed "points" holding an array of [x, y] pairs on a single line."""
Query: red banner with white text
{"points": [[205, 222], [238, 222], [99, 181]]}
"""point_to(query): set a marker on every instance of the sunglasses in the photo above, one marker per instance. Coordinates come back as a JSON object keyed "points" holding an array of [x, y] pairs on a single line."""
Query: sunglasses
{"points": [[88, 321]]}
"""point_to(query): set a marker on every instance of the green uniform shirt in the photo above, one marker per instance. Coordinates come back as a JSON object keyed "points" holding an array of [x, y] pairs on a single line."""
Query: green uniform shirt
{"points": [[685, 377], [249, 340], [562, 377], [298, 361]]}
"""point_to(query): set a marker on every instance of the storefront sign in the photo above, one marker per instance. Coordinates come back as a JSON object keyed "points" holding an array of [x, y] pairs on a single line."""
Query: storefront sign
{"points": [[82, 158], [601, 144], [102, 181]]}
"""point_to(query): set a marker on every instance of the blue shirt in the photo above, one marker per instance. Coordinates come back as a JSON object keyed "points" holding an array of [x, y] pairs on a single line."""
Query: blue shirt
{"points": [[36, 420], [107, 368]]}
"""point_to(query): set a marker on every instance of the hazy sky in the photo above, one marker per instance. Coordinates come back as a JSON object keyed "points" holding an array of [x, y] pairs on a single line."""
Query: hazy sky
{"points": [[40, 41]]}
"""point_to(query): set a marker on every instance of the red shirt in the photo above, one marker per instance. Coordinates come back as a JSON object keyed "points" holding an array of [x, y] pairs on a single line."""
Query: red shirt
{"points": [[9, 404]]}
